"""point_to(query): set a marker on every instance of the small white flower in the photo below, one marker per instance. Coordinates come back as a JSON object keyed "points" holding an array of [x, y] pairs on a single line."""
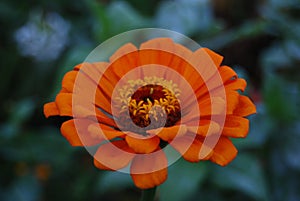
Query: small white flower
{"points": [[43, 38]]}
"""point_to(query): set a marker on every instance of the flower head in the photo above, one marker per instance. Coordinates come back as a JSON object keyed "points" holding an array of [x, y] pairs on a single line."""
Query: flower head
{"points": [[149, 98]]}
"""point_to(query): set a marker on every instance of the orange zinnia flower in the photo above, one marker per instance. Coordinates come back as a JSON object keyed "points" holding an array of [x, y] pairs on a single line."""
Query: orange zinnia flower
{"points": [[145, 100]]}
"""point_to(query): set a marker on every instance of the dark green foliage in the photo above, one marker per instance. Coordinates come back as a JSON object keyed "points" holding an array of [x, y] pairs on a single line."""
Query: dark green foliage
{"points": [[260, 39]]}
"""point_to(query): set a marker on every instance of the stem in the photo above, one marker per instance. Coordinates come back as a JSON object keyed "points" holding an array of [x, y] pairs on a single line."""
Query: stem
{"points": [[148, 194]]}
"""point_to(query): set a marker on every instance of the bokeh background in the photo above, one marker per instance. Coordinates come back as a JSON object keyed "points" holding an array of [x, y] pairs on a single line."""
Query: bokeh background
{"points": [[41, 40]]}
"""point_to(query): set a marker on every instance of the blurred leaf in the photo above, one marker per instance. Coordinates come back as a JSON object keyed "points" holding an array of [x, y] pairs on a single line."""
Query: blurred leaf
{"points": [[25, 188], [144, 7], [293, 48], [261, 127], [18, 113], [183, 180], [116, 18], [274, 58], [284, 164], [123, 17], [281, 99], [291, 151], [286, 141], [8, 131], [112, 180], [82, 185], [244, 174], [101, 24], [33, 147], [191, 16], [22, 110], [27, 140], [276, 4], [247, 30]]}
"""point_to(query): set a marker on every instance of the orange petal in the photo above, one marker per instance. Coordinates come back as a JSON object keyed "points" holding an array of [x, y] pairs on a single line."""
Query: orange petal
{"points": [[182, 144], [235, 126], [90, 90], [205, 129], [210, 78], [157, 51], [214, 103], [103, 71], [87, 85], [180, 61], [224, 152], [197, 151], [50, 109], [149, 170], [188, 150], [204, 64], [180, 64], [224, 76], [227, 73], [93, 113], [217, 59], [113, 155], [69, 80], [169, 133], [192, 154], [154, 57], [93, 71], [64, 91], [165, 44], [78, 66], [64, 104], [142, 146], [185, 71], [106, 87], [123, 51], [122, 61], [192, 75], [245, 107], [191, 148], [123, 65], [232, 100], [190, 113], [103, 131], [92, 74], [150, 180], [78, 135], [208, 87], [238, 84], [207, 106], [163, 51], [216, 88], [212, 106], [106, 84], [102, 101]]}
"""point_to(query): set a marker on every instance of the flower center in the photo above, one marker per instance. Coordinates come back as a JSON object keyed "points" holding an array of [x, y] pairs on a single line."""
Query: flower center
{"points": [[148, 104]]}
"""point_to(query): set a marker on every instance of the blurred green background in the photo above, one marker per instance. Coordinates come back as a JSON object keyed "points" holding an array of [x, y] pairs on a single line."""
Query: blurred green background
{"points": [[41, 40]]}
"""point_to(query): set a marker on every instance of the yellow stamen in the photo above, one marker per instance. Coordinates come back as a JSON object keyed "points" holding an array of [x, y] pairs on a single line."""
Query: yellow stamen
{"points": [[150, 102]]}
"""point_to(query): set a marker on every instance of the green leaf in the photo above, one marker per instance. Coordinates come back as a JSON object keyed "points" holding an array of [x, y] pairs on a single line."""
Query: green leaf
{"points": [[191, 16], [244, 174], [281, 99], [25, 188], [115, 18], [183, 180], [261, 127], [112, 180], [22, 111]]}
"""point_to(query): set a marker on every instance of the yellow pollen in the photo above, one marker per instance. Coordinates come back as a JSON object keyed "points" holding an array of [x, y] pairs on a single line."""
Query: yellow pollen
{"points": [[152, 102]]}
